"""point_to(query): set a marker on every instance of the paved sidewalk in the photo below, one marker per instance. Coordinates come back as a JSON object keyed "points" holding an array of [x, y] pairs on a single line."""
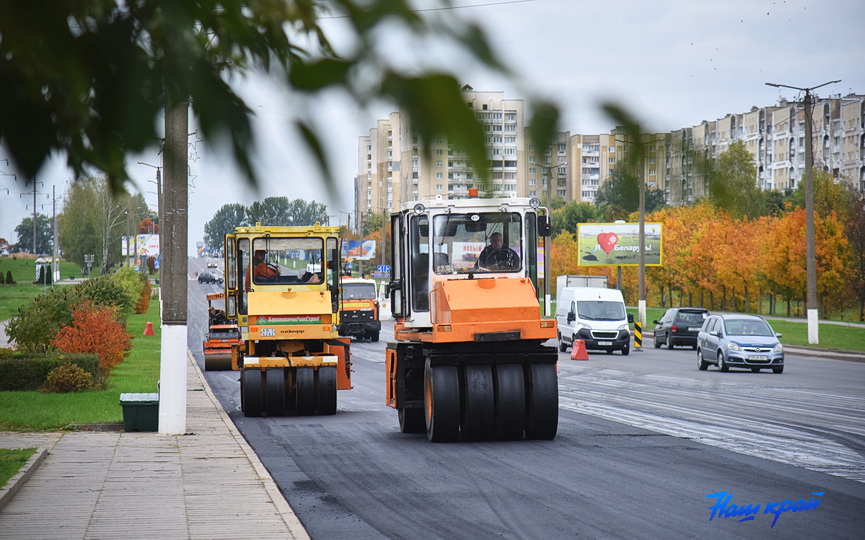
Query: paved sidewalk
{"points": [[205, 484]]}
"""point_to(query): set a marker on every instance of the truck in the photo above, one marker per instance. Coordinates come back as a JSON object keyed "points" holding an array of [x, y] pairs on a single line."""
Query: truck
{"points": [[221, 336], [573, 280], [359, 309], [469, 359], [291, 359]]}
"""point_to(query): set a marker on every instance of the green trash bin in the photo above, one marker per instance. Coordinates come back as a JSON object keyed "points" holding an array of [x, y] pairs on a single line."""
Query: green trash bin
{"points": [[140, 412]]}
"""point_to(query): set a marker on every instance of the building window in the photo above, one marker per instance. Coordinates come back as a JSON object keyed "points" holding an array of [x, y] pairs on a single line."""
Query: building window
{"points": [[439, 176], [439, 187]]}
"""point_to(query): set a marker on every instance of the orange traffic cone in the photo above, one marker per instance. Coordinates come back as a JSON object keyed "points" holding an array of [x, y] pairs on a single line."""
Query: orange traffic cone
{"points": [[148, 330], [578, 351]]}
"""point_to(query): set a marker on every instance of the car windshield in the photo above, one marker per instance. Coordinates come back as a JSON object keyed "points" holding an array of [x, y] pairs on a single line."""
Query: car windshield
{"points": [[477, 242], [358, 291], [599, 310], [747, 327]]}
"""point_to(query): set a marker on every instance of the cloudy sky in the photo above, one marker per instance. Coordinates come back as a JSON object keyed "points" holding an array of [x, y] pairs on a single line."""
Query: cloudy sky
{"points": [[673, 63]]}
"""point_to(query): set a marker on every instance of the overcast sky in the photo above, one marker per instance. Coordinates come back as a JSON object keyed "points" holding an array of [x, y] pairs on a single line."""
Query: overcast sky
{"points": [[673, 63]]}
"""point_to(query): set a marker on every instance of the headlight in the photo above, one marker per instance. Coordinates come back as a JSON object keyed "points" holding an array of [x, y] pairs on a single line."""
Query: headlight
{"points": [[624, 327], [734, 346], [778, 348], [583, 326]]}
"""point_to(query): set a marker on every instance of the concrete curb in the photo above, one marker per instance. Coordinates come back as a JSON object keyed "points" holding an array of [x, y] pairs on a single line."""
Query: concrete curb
{"points": [[14, 484], [288, 516]]}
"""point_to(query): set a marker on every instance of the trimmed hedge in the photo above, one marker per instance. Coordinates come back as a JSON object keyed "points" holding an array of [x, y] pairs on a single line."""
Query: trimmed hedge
{"points": [[28, 371]]}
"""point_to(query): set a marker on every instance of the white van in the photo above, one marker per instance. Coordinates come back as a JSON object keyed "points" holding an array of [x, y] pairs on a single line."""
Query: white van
{"points": [[595, 315]]}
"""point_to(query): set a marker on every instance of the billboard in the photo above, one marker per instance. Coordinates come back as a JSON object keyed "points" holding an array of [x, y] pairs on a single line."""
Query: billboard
{"points": [[147, 245], [361, 250], [617, 244]]}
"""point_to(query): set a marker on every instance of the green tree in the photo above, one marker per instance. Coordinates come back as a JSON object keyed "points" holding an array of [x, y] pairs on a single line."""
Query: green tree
{"points": [[93, 85], [565, 219], [224, 222], [829, 196], [44, 235], [655, 199], [95, 220], [733, 183], [620, 190], [305, 213], [373, 222]]}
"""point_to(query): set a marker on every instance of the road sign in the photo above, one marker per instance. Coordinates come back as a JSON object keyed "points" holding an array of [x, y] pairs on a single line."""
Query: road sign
{"points": [[384, 268]]}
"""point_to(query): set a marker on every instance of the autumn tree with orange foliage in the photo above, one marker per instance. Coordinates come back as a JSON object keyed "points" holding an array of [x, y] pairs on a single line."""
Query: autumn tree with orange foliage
{"points": [[95, 330]]}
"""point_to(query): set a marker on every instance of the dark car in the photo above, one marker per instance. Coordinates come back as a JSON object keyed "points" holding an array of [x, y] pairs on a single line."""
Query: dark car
{"points": [[679, 326], [207, 277], [740, 341]]}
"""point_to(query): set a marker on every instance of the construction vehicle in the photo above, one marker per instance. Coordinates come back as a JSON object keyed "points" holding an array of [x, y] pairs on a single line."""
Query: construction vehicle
{"points": [[282, 288], [221, 336], [469, 358], [359, 309]]}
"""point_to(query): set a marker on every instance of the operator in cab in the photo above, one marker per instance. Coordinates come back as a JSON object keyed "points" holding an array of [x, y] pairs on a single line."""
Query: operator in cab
{"points": [[497, 256]]}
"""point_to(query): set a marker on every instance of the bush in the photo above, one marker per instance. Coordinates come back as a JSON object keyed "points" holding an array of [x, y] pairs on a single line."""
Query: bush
{"points": [[67, 378], [40, 320], [28, 371], [46, 276], [143, 303], [9, 280], [6, 353], [131, 282], [104, 291], [95, 330]]}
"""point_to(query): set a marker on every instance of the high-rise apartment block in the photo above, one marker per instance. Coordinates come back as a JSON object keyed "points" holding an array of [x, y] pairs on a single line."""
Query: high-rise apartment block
{"points": [[392, 169]]}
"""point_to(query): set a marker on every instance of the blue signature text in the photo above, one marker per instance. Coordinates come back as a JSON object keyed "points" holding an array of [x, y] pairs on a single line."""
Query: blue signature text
{"points": [[724, 507]]}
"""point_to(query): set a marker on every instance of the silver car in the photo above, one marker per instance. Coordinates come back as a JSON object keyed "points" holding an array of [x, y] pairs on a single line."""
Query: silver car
{"points": [[739, 341]]}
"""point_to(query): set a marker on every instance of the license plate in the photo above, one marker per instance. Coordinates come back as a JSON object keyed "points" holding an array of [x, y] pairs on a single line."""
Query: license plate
{"points": [[693, 329], [757, 357], [605, 343]]}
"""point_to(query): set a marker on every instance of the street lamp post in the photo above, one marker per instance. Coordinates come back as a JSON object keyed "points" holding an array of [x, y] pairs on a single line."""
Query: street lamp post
{"points": [[810, 255]]}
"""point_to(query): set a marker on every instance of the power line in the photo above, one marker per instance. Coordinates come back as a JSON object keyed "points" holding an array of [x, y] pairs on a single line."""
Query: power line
{"points": [[447, 8]]}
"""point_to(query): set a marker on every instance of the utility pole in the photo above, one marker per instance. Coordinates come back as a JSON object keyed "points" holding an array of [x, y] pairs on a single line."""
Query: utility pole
{"points": [[55, 264], [548, 173], [810, 252]]}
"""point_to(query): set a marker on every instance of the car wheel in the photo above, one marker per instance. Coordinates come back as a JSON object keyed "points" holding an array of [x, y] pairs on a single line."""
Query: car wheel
{"points": [[778, 369], [701, 363], [655, 340], [562, 345], [722, 365]]}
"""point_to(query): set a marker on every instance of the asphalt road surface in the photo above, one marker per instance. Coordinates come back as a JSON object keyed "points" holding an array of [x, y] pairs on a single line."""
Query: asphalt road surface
{"points": [[647, 447]]}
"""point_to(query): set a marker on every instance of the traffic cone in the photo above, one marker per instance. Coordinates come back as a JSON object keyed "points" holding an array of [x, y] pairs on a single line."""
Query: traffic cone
{"points": [[578, 350], [148, 330]]}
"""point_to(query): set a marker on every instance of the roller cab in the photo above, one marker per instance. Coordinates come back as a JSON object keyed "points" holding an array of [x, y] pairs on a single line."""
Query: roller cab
{"points": [[282, 288], [470, 360]]}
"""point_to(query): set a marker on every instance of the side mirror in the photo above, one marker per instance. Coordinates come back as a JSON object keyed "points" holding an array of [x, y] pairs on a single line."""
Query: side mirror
{"points": [[713, 333], [779, 335], [655, 322], [631, 318], [544, 228], [572, 316]]}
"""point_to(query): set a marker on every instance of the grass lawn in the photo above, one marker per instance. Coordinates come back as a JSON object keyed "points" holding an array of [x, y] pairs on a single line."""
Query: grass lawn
{"points": [[11, 462], [138, 372]]}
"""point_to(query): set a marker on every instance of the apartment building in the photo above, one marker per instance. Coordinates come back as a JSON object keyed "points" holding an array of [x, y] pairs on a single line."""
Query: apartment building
{"points": [[775, 136], [392, 169]]}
